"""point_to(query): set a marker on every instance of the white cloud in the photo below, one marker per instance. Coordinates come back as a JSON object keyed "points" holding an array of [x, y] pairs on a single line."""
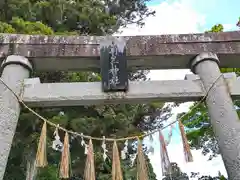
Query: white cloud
{"points": [[168, 74], [200, 163], [175, 17], [175, 151], [171, 18], [229, 27]]}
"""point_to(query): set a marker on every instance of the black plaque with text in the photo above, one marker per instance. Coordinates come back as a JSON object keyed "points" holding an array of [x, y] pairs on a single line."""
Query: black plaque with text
{"points": [[113, 66]]}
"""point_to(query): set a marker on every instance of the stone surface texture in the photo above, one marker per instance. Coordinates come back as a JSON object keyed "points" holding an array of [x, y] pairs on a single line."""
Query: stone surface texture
{"points": [[38, 94], [52, 53], [156, 52], [223, 115], [13, 75]]}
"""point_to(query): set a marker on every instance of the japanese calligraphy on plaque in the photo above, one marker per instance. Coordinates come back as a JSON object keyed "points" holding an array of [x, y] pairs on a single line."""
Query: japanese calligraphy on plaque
{"points": [[114, 65]]}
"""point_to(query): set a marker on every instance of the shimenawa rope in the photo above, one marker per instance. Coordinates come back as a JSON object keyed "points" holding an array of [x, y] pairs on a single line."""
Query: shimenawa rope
{"points": [[107, 139]]}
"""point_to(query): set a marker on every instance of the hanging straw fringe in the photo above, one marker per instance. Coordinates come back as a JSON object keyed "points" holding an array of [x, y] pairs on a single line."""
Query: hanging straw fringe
{"points": [[186, 147], [167, 142], [41, 157], [166, 165], [89, 172], [116, 164], [65, 161], [142, 171]]}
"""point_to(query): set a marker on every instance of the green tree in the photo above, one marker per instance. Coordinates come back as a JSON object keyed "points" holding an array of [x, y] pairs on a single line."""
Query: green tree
{"points": [[219, 177], [93, 17], [238, 23], [77, 17], [212, 178], [176, 173], [217, 28]]}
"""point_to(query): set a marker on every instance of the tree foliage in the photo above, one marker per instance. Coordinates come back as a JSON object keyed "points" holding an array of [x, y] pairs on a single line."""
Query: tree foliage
{"points": [[177, 174], [78, 17], [217, 28], [86, 17]]}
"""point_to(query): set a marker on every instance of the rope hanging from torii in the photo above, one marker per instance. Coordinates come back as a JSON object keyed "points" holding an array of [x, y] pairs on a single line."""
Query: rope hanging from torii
{"points": [[65, 170]]}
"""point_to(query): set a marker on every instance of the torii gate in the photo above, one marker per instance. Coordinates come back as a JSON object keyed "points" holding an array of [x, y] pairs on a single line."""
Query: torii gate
{"points": [[20, 54]]}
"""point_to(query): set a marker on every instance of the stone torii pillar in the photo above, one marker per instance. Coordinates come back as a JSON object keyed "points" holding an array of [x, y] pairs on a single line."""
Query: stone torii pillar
{"points": [[14, 70], [224, 118]]}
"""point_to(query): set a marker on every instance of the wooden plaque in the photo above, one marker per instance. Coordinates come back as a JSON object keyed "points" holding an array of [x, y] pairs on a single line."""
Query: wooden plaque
{"points": [[113, 66]]}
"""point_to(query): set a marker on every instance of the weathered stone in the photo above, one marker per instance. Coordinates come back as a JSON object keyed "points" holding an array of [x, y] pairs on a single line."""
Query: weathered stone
{"points": [[223, 115], [155, 52], [38, 94], [14, 70]]}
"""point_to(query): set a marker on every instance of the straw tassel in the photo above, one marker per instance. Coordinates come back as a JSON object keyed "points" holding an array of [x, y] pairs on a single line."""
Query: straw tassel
{"points": [[116, 164], [41, 156], [169, 135], [165, 161], [186, 147], [65, 160], [89, 172], [142, 171]]}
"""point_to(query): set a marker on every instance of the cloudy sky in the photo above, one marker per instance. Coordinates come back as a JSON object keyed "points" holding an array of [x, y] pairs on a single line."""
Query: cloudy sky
{"points": [[185, 16]]}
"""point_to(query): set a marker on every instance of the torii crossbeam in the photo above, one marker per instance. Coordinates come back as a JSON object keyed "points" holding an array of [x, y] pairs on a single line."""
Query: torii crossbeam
{"points": [[51, 53], [20, 54]]}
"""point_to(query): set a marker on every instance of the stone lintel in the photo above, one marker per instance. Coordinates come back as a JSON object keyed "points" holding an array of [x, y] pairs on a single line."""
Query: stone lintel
{"points": [[90, 93], [144, 52]]}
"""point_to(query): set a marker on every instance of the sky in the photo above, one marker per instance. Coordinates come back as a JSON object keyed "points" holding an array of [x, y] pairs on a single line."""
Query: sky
{"points": [[176, 17]]}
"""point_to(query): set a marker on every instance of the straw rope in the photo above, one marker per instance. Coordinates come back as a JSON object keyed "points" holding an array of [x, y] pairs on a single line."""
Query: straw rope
{"points": [[20, 100]]}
